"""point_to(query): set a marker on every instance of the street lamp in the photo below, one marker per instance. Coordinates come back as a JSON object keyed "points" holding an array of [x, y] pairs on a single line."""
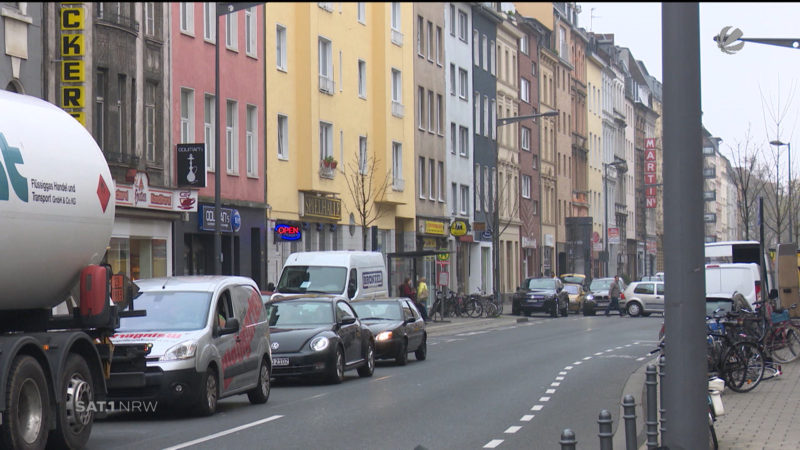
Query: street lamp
{"points": [[500, 121], [778, 144], [621, 166]]}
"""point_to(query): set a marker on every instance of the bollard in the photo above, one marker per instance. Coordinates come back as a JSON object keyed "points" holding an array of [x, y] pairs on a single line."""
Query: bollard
{"points": [[606, 436], [629, 408], [651, 421], [661, 410], [568, 440]]}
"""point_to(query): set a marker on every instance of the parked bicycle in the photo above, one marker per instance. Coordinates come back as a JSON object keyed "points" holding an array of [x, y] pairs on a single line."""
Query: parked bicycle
{"points": [[778, 338], [732, 355]]}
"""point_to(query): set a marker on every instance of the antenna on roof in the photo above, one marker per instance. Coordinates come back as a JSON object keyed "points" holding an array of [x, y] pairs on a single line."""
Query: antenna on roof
{"points": [[591, 17]]}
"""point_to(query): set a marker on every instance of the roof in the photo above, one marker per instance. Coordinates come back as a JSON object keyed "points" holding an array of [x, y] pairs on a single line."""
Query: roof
{"points": [[197, 283]]}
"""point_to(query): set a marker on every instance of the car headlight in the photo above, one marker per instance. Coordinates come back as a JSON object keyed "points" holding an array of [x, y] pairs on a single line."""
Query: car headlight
{"points": [[319, 343], [184, 350], [589, 297], [383, 336]]}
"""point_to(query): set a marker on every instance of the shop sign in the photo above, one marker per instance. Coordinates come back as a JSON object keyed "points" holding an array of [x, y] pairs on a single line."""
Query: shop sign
{"points": [[288, 232], [191, 165], [230, 219], [486, 235], [315, 206], [458, 228], [434, 227], [141, 195], [529, 242], [429, 244], [72, 46], [548, 240], [613, 235], [443, 256], [652, 247]]}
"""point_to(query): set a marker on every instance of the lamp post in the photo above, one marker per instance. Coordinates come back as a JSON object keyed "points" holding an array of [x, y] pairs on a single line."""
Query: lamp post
{"points": [[778, 144], [500, 121], [621, 166]]}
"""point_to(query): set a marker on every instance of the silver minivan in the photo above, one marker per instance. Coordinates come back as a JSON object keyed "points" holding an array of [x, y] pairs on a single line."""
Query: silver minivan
{"points": [[643, 298], [209, 339]]}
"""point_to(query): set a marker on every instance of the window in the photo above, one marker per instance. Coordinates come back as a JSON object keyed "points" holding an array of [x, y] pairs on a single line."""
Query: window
{"points": [[533, 68], [421, 107], [362, 79], [283, 137], [492, 112], [149, 18], [421, 169], [362, 154], [453, 138], [523, 44], [463, 147], [397, 166], [420, 36], [476, 180], [231, 32], [362, 12], [452, 19], [150, 91], [325, 140], [187, 115], [396, 16], [431, 179], [439, 114], [464, 199], [477, 114], [429, 37], [535, 207], [525, 135], [484, 53], [209, 27], [562, 40], [99, 107], [476, 51], [462, 77], [251, 141], [325, 66], [462, 25], [187, 17], [485, 115], [431, 112], [492, 59], [327, 6], [208, 130], [280, 47], [526, 186], [441, 184], [231, 137], [439, 48], [453, 80], [454, 199], [397, 92], [524, 90], [250, 31]]}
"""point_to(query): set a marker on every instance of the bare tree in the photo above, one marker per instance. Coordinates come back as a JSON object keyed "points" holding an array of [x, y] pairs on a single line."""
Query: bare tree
{"points": [[745, 162], [366, 186]]}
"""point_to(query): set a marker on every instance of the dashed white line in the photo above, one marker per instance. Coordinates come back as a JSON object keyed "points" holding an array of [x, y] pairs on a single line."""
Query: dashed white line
{"points": [[609, 350], [555, 384], [627, 345], [224, 433], [512, 430], [587, 358], [598, 353], [550, 391], [568, 368], [619, 348], [493, 443], [544, 399], [561, 378], [527, 418], [537, 407], [642, 358], [577, 363]]}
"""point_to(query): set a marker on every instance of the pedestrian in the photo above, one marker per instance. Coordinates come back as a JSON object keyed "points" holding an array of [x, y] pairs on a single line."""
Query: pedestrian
{"points": [[422, 298], [613, 295], [407, 290]]}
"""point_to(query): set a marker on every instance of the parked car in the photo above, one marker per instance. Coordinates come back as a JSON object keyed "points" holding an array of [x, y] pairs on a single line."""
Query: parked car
{"points": [[576, 295], [210, 339], [597, 298], [575, 278], [643, 298], [541, 295], [744, 278], [318, 336], [398, 328]]}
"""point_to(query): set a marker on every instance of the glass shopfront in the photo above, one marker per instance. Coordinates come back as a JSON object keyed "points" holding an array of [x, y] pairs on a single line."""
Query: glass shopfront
{"points": [[140, 248]]}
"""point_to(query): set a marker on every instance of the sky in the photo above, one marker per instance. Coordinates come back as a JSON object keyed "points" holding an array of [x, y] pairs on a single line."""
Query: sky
{"points": [[751, 88]]}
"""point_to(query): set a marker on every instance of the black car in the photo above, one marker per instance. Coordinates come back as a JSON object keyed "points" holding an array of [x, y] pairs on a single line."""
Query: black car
{"points": [[597, 299], [541, 295], [319, 336], [397, 326]]}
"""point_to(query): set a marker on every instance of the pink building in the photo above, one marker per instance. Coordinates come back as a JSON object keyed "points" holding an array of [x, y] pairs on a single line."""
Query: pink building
{"points": [[242, 131]]}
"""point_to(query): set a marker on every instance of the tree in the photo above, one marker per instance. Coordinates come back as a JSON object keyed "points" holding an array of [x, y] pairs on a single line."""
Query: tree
{"points": [[365, 186], [745, 162]]}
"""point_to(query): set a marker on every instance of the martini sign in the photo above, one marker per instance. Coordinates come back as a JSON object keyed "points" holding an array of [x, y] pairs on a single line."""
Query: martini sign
{"points": [[650, 178]]}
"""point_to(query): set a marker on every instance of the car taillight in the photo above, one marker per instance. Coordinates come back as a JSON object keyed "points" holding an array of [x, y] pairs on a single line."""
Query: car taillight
{"points": [[622, 296], [758, 289]]}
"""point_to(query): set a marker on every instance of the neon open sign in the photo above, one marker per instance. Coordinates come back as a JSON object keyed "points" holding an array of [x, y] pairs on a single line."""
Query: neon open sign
{"points": [[288, 232]]}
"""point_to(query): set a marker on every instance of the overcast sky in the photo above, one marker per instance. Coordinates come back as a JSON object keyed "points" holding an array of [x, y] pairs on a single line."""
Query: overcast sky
{"points": [[732, 86]]}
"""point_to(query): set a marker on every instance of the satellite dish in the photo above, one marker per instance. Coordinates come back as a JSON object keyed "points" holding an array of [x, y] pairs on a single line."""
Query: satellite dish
{"points": [[728, 42]]}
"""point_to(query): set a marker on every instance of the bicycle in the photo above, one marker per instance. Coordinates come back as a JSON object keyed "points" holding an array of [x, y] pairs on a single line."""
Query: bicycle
{"points": [[774, 332], [731, 355]]}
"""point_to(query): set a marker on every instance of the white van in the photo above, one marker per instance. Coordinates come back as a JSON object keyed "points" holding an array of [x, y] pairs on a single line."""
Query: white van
{"points": [[728, 278], [349, 274]]}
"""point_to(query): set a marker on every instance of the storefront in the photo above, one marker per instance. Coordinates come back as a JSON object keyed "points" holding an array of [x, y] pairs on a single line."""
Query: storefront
{"points": [[141, 243]]}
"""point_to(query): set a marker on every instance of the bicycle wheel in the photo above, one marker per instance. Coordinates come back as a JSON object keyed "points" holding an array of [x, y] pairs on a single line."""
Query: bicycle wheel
{"points": [[475, 307], [742, 366], [490, 309], [783, 343], [436, 311]]}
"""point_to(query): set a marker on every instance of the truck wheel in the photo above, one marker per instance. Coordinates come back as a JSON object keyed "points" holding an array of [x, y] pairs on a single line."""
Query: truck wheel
{"points": [[260, 393], [209, 393], [27, 418], [74, 419]]}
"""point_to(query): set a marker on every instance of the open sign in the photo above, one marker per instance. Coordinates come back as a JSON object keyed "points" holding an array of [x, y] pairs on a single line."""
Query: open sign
{"points": [[288, 232]]}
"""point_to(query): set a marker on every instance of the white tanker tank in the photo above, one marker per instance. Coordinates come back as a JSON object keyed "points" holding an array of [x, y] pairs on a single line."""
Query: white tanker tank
{"points": [[56, 202]]}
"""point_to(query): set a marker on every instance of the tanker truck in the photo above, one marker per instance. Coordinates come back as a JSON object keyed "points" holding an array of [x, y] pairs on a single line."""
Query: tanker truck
{"points": [[56, 217]]}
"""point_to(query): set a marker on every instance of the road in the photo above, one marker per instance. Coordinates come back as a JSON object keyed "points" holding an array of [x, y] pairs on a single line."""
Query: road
{"points": [[508, 385]]}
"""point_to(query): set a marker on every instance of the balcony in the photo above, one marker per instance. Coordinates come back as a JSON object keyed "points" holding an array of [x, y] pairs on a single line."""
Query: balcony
{"points": [[118, 20], [122, 159], [327, 169], [397, 38], [326, 85], [397, 109]]}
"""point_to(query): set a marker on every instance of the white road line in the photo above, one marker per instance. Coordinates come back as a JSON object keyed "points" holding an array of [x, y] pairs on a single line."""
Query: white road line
{"points": [[627, 345], [577, 363], [537, 407], [555, 384], [493, 443], [223, 433], [544, 399], [527, 418], [561, 378], [619, 348], [642, 358], [383, 378], [598, 353], [568, 368], [512, 430], [562, 373], [587, 358], [609, 350], [550, 391]]}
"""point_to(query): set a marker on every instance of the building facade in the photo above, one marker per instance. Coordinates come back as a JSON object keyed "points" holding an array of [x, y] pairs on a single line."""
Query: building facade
{"points": [[562, 43], [22, 42], [595, 184]]}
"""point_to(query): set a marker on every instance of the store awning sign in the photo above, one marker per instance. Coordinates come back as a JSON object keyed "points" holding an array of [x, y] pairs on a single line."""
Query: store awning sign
{"points": [[230, 220]]}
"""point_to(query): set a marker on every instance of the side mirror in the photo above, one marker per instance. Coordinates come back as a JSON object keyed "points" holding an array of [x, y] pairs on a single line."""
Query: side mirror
{"points": [[231, 326], [349, 320], [411, 320]]}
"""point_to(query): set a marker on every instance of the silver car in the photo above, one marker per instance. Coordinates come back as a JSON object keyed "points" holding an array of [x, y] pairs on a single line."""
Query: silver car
{"points": [[209, 339], [641, 298]]}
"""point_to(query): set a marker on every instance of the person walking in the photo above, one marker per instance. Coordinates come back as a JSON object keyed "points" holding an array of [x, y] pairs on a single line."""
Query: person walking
{"points": [[422, 298], [407, 290], [613, 295]]}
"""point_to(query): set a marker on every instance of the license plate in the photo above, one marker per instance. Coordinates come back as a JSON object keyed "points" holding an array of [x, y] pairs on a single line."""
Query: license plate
{"points": [[280, 361]]}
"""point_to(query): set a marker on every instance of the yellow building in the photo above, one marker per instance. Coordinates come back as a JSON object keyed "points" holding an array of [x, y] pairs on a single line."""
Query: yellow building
{"points": [[339, 88], [594, 102]]}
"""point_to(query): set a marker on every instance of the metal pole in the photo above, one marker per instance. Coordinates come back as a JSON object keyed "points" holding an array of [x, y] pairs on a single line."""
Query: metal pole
{"points": [[217, 158], [568, 440], [685, 386], [629, 411], [651, 417], [791, 200], [605, 220], [606, 436], [661, 410]]}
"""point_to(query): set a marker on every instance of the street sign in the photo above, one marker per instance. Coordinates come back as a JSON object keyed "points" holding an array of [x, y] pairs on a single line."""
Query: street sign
{"points": [[595, 237], [613, 235]]}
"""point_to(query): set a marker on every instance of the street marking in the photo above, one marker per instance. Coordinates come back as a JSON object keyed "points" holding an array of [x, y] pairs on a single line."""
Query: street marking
{"points": [[550, 391], [555, 384], [642, 358], [561, 378], [537, 407], [383, 378], [577, 363], [473, 333], [527, 418], [598, 353], [568, 368], [619, 348], [493, 443], [512, 430], [587, 358], [627, 345], [562, 373], [544, 399], [224, 433], [609, 350]]}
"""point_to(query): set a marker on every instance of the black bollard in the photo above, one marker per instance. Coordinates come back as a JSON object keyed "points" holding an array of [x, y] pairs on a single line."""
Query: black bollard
{"points": [[661, 410], [629, 407], [651, 418], [606, 436], [568, 440]]}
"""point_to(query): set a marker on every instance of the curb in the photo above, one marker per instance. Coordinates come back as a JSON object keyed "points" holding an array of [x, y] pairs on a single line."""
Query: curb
{"points": [[635, 386]]}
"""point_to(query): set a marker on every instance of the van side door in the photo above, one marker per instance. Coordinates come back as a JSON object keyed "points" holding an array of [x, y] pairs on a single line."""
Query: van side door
{"points": [[224, 343], [245, 354]]}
